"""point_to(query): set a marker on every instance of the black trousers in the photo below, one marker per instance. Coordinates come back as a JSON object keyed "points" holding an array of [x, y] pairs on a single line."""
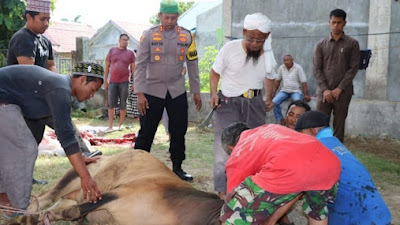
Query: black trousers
{"points": [[177, 110]]}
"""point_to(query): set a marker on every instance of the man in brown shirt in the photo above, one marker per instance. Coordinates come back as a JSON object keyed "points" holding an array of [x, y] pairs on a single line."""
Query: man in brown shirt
{"points": [[336, 61]]}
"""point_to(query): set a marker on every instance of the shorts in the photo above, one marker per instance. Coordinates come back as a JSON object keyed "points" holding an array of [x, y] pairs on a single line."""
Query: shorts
{"points": [[249, 204], [117, 91]]}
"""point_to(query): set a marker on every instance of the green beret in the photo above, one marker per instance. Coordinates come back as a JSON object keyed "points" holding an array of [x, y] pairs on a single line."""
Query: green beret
{"points": [[169, 6]]}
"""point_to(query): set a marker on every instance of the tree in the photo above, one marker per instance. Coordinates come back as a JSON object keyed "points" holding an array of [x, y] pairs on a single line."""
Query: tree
{"points": [[182, 7], [205, 64], [11, 20]]}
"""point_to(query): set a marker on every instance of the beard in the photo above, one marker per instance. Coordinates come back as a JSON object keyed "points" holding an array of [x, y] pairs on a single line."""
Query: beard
{"points": [[254, 55]]}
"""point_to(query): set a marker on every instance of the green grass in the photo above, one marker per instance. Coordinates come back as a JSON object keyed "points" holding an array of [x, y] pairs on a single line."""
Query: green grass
{"points": [[381, 169]]}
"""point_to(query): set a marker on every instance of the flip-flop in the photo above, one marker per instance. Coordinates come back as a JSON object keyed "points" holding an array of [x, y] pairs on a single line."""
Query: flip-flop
{"points": [[109, 130]]}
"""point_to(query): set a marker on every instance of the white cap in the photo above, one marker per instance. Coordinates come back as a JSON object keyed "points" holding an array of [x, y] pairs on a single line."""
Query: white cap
{"points": [[257, 21]]}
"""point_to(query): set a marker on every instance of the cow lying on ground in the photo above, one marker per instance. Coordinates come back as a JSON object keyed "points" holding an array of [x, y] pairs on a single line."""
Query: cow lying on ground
{"points": [[137, 189]]}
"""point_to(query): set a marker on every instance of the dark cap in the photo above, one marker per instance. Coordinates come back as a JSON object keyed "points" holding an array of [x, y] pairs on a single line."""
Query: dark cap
{"points": [[89, 69], [312, 119]]}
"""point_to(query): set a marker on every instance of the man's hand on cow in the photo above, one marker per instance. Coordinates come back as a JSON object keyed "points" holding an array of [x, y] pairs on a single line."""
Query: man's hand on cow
{"points": [[327, 96], [142, 103], [197, 101], [90, 190], [94, 159]]}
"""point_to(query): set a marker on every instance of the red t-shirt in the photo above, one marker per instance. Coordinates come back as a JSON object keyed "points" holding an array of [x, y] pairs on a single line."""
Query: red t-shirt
{"points": [[119, 60], [282, 161]]}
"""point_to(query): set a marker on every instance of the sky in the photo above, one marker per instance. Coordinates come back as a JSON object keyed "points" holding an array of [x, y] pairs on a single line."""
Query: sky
{"points": [[97, 12]]}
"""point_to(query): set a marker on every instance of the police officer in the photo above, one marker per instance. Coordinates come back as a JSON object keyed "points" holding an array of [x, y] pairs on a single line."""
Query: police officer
{"points": [[159, 83]]}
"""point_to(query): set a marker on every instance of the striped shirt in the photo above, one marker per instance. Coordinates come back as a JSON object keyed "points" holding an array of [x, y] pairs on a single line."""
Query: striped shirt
{"points": [[292, 78]]}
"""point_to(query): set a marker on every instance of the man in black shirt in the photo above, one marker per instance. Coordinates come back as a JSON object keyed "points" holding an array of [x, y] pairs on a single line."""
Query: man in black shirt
{"points": [[30, 46], [38, 94]]}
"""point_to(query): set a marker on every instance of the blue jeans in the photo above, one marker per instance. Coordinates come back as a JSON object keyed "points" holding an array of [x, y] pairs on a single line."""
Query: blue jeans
{"points": [[279, 98]]}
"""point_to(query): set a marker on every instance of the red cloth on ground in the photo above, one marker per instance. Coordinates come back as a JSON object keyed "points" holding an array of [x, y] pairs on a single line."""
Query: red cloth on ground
{"points": [[282, 161]]}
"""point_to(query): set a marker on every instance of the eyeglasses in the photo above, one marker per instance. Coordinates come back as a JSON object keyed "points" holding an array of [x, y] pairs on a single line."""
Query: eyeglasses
{"points": [[258, 41]]}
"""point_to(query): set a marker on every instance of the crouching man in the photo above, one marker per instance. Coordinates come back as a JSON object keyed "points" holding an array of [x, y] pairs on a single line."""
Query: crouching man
{"points": [[36, 93], [269, 167], [357, 199]]}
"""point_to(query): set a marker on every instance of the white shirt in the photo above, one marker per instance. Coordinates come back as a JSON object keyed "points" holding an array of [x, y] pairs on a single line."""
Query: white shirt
{"points": [[237, 76], [291, 79]]}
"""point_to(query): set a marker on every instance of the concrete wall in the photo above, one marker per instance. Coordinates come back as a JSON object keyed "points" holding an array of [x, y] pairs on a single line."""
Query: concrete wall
{"points": [[393, 90], [366, 117], [299, 25], [206, 30]]}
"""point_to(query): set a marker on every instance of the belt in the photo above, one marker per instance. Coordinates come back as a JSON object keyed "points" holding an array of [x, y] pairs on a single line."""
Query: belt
{"points": [[251, 93]]}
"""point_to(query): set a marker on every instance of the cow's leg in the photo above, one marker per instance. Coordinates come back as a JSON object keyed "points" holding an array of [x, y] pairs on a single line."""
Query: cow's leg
{"points": [[69, 186], [78, 211], [69, 183], [72, 213]]}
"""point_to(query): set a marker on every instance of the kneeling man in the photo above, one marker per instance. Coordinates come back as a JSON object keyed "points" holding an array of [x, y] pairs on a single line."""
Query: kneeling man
{"points": [[36, 93], [357, 200], [269, 167]]}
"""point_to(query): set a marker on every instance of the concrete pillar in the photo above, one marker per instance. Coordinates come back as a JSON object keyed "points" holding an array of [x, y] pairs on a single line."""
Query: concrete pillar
{"points": [[82, 49], [377, 72], [227, 19]]}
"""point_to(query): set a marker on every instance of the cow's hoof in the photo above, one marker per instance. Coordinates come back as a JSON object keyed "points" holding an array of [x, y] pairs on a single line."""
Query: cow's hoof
{"points": [[183, 175]]}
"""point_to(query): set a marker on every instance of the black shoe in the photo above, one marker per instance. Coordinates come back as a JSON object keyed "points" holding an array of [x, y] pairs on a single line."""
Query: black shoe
{"points": [[34, 181], [183, 175], [92, 154]]}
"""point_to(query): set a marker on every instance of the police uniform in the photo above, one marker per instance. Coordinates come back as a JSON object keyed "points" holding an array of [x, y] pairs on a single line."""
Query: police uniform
{"points": [[158, 74]]}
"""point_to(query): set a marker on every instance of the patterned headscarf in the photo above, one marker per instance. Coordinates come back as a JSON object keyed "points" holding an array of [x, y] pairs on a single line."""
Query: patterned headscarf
{"points": [[38, 6]]}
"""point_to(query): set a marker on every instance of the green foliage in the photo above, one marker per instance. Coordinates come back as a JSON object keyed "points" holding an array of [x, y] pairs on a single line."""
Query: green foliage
{"points": [[155, 20], [11, 19], [205, 64], [182, 7]]}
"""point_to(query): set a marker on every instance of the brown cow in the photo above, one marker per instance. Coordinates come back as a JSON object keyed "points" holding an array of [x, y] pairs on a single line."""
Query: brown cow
{"points": [[137, 189]]}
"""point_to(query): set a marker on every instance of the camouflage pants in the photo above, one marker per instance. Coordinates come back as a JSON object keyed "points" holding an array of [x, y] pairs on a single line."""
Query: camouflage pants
{"points": [[249, 204]]}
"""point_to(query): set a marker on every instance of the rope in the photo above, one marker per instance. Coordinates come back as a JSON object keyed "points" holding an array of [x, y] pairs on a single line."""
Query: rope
{"points": [[44, 216]]}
